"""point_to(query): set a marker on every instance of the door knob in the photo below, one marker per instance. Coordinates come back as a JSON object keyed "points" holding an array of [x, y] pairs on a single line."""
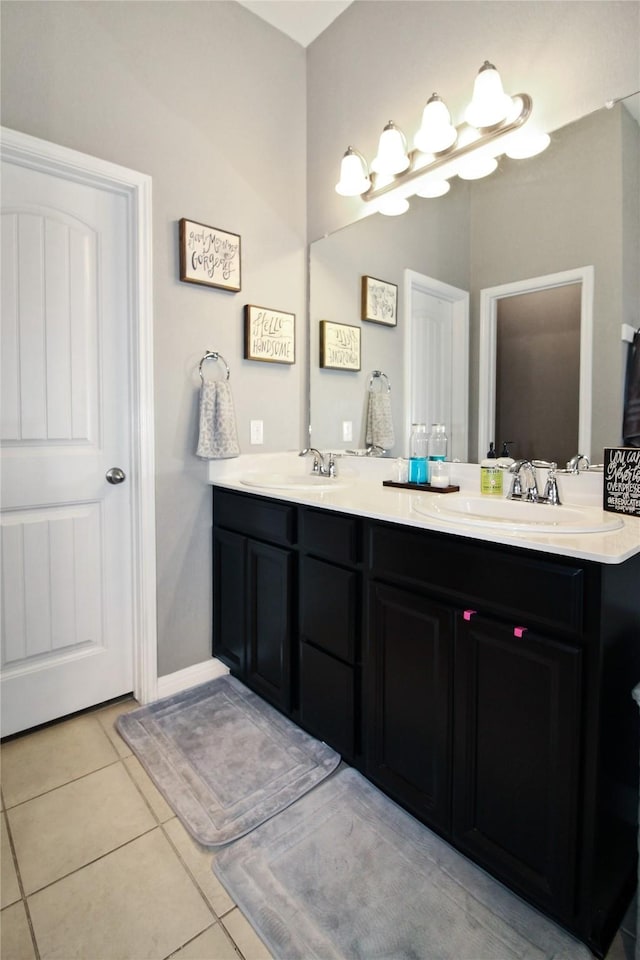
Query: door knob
{"points": [[115, 475]]}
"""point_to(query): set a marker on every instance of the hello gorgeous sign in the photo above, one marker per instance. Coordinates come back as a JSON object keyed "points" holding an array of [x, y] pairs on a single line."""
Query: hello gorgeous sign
{"points": [[209, 256]]}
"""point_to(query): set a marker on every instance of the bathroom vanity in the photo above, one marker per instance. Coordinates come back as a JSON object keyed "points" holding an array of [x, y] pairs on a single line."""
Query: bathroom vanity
{"points": [[485, 686]]}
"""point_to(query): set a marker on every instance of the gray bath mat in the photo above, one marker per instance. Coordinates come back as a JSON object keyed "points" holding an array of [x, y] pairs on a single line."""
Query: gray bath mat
{"points": [[345, 874], [224, 760]]}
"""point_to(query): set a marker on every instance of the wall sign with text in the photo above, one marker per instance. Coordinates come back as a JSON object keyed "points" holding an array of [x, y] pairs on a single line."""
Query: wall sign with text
{"points": [[209, 256], [621, 486], [339, 346], [269, 335], [379, 301]]}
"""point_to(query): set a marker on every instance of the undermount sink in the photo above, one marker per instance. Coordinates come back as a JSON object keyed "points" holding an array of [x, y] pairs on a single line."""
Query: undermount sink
{"points": [[289, 481], [516, 514]]}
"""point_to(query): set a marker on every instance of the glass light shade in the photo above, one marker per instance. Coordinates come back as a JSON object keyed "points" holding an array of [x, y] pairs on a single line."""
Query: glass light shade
{"points": [[526, 143], [392, 155], [354, 179], [474, 168], [436, 132], [490, 104], [392, 206], [433, 188]]}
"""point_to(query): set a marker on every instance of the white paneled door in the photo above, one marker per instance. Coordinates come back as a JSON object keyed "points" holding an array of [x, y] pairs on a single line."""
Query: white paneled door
{"points": [[436, 357], [67, 531]]}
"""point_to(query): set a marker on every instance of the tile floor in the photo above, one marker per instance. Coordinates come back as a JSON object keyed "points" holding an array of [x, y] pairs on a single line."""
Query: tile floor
{"points": [[95, 866]]}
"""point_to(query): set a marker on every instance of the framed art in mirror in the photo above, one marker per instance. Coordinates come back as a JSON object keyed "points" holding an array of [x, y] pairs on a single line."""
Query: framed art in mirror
{"points": [[339, 346], [269, 335], [209, 256], [379, 301]]}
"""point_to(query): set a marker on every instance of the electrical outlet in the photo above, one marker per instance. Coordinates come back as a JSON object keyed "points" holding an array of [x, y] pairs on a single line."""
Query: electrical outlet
{"points": [[347, 431], [257, 431]]}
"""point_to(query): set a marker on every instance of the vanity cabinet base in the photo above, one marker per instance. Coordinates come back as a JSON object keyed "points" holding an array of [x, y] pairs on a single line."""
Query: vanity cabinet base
{"points": [[485, 688]]}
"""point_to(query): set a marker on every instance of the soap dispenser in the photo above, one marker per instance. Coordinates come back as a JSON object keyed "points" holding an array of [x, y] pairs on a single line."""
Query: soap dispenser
{"points": [[505, 460], [491, 474]]}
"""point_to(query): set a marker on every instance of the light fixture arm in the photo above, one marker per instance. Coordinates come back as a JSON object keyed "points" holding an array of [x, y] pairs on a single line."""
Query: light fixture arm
{"points": [[415, 170]]}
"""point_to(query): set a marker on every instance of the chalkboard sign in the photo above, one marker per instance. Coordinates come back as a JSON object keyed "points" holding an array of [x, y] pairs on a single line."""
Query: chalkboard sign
{"points": [[621, 487]]}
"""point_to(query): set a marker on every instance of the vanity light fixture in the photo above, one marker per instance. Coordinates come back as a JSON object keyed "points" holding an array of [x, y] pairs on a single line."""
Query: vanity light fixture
{"points": [[354, 177], [392, 156], [494, 125], [490, 104], [436, 131]]}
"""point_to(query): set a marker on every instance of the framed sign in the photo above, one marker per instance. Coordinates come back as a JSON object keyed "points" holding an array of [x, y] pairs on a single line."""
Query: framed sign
{"points": [[621, 484], [209, 256], [339, 346], [379, 301], [269, 335]]}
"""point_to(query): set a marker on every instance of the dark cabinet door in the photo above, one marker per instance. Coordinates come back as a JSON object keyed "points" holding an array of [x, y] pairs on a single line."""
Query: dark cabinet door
{"points": [[229, 605], [269, 619], [516, 750], [408, 686]]}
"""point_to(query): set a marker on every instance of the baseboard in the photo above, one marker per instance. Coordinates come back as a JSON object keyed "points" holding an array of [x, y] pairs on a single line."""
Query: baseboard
{"points": [[190, 677]]}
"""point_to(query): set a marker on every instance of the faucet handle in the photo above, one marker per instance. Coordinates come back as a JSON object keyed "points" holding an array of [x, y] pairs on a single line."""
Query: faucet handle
{"points": [[516, 484], [551, 492]]}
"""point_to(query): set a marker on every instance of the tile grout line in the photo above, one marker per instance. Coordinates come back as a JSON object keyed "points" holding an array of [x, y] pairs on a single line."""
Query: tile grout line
{"points": [[90, 863], [161, 825], [218, 919], [59, 786], [23, 896]]}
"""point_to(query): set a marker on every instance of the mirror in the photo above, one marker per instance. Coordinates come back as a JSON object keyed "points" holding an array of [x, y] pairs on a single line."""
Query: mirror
{"points": [[576, 205]]}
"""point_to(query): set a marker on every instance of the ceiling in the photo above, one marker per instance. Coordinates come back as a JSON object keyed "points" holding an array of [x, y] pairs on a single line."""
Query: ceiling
{"points": [[302, 20]]}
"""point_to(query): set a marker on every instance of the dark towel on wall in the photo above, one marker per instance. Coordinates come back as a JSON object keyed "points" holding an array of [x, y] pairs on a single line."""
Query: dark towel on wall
{"points": [[631, 415]]}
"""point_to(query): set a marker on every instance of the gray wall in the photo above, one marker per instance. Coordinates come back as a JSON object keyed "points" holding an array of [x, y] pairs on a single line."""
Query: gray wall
{"points": [[210, 101], [382, 60]]}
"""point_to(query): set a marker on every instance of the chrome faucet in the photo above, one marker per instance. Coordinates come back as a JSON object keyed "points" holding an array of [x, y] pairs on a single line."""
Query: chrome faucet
{"points": [[573, 466], [320, 468], [530, 493]]}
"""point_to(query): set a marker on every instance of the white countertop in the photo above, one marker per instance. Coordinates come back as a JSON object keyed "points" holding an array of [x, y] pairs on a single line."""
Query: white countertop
{"points": [[358, 490]]}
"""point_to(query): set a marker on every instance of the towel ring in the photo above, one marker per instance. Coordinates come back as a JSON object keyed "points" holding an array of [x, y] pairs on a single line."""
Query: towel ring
{"points": [[378, 374], [214, 355]]}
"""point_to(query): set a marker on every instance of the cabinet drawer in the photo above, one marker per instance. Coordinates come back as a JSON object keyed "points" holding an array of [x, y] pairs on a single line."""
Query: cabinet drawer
{"points": [[330, 535], [255, 516], [327, 699], [513, 584], [329, 602]]}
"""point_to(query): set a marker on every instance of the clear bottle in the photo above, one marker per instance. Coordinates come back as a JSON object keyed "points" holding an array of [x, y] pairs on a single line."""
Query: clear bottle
{"points": [[438, 442], [418, 450]]}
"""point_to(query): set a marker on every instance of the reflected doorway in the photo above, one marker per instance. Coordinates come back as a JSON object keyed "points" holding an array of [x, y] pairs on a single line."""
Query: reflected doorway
{"points": [[538, 373], [540, 393]]}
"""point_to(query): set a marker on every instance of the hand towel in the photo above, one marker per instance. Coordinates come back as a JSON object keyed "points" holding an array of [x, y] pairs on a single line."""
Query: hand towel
{"points": [[631, 416], [379, 420], [218, 438]]}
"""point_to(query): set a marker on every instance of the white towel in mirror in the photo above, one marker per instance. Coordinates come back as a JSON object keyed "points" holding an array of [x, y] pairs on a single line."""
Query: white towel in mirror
{"points": [[379, 420], [218, 437]]}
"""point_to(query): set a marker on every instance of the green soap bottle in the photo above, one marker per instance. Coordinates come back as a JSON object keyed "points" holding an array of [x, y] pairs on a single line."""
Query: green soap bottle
{"points": [[491, 474]]}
